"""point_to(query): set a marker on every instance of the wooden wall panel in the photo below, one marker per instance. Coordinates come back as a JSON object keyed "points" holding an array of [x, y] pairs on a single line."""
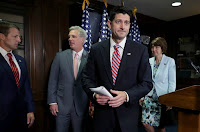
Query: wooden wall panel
{"points": [[47, 28], [36, 49]]}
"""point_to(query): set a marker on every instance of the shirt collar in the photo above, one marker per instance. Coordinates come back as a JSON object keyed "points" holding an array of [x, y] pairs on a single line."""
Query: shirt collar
{"points": [[4, 52], [122, 43], [79, 53]]}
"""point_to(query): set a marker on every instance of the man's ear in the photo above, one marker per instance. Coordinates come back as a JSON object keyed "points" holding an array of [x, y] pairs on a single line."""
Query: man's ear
{"points": [[109, 23], [82, 39], [2, 36]]}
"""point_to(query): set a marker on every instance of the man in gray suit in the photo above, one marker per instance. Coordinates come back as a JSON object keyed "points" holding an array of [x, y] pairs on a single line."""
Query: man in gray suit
{"points": [[67, 100]]}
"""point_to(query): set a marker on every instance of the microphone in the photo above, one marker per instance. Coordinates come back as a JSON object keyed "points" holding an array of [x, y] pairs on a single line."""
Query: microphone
{"points": [[145, 39], [197, 68]]}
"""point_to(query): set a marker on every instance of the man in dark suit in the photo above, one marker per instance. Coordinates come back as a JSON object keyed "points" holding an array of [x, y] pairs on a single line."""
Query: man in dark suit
{"points": [[16, 103], [122, 67], [66, 97]]}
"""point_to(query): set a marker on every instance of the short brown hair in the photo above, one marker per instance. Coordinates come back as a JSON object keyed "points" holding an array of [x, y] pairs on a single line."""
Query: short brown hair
{"points": [[159, 41], [118, 10], [5, 27]]}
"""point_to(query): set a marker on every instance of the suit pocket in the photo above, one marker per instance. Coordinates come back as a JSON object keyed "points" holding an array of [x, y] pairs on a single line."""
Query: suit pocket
{"points": [[3, 115], [164, 79], [60, 90], [3, 112], [60, 93]]}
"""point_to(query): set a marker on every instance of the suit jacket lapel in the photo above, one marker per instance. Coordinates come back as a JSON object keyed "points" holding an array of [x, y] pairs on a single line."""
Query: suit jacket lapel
{"points": [[69, 61], [105, 53], [152, 65], [129, 50], [83, 61], [162, 65], [6, 66]]}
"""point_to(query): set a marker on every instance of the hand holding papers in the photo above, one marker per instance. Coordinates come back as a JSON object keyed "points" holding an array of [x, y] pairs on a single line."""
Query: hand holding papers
{"points": [[101, 90]]}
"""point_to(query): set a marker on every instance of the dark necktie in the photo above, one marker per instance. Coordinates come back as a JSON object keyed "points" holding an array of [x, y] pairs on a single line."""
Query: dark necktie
{"points": [[14, 69], [115, 62]]}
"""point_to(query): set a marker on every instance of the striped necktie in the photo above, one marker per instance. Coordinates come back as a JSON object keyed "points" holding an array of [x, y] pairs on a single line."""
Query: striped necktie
{"points": [[116, 59], [14, 69]]}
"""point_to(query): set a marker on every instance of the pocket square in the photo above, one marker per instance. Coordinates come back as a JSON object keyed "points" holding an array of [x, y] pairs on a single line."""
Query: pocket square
{"points": [[128, 53]]}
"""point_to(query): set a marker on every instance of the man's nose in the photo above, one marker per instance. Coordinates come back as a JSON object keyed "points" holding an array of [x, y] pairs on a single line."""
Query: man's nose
{"points": [[122, 25], [70, 38], [19, 39]]}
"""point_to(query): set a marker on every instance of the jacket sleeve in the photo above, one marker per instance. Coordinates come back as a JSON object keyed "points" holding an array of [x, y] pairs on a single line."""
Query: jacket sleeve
{"points": [[89, 75], [53, 81], [28, 93]]}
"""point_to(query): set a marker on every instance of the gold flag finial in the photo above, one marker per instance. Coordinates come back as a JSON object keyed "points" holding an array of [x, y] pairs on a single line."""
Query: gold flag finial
{"points": [[83, 5], [105, 2], [122, 3], [134, 12]]}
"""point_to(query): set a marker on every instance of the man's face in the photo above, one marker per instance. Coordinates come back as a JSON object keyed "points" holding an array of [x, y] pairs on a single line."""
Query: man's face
{"points": [[75, 41], [120, 26], [11, 41]]}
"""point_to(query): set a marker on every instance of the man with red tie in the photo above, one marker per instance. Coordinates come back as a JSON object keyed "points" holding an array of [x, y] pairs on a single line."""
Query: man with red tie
{"points": [[16, 102], [122, 67]]}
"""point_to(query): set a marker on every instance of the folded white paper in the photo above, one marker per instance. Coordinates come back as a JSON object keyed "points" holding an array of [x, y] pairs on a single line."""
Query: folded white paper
{"points": [[101, 90]]}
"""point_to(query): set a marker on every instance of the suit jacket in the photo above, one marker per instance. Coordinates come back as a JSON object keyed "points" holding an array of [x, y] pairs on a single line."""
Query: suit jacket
{"points": [[13, 99], [134, 77], [165, 78], [63, 89]]}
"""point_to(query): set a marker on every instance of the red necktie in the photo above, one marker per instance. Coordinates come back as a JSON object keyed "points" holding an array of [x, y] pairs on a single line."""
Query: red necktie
{"points": [[14, 69], [75, 65], [115, 62]]}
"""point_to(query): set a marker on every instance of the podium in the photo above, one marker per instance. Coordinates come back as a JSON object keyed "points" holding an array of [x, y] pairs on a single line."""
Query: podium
{"points": [[188, 101]]}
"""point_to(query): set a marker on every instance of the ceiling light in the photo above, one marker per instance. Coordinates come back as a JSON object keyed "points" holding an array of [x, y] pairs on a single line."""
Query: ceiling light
{"points": [[175, 4]]}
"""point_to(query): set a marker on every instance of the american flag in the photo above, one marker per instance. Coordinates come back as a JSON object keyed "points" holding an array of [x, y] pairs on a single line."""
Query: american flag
{"points": [[86, 25], [134, 33], [104, 31]]}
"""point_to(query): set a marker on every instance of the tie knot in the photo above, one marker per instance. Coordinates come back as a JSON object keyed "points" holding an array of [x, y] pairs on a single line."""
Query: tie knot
{"points": [[9, 55], [116, 46], [76, 55]]}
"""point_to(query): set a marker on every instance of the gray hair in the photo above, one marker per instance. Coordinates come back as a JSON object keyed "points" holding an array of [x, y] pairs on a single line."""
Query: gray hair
{"points": [[81, 31]]}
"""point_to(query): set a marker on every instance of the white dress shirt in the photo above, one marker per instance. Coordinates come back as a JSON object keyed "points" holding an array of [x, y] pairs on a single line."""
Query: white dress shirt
{"points": [[79, 56], [121, 50]]}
